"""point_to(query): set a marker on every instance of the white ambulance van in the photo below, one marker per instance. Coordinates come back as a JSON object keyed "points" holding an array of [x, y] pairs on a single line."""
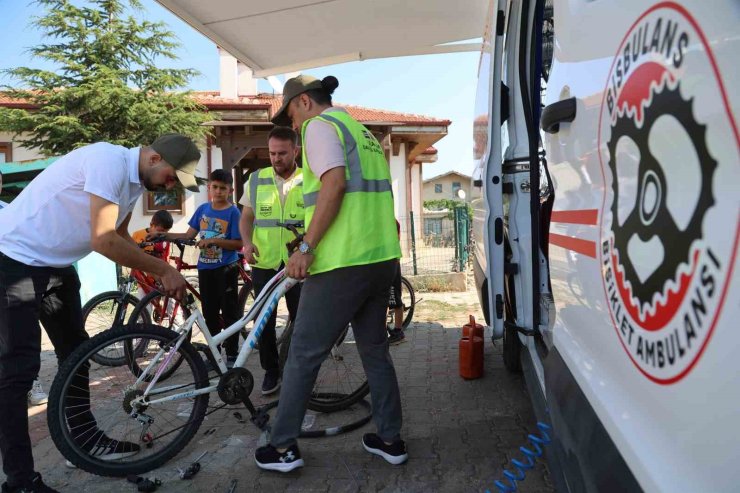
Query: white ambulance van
{"points": [[606, 241]]}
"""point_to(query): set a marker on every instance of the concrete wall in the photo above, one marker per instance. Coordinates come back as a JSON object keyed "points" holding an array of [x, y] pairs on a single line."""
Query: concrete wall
{"points": [[398, 177], [20, 153]]}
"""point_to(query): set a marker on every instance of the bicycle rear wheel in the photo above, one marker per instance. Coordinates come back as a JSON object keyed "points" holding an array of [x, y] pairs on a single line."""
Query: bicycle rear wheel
{"points": [[341, 381], [91, 405], [103, 312]]}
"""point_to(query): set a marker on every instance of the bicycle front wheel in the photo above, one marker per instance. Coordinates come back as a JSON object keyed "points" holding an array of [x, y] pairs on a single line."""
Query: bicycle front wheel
{"points": [[99, 417], [341, 381], [105, 311]]}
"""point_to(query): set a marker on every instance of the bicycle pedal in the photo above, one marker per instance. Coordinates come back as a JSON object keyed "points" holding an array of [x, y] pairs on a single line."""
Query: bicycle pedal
{"points": [[260, 419]]}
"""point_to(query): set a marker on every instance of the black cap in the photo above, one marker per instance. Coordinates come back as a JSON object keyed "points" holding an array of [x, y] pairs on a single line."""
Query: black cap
{"points": [[181, 152], [294, 87]]}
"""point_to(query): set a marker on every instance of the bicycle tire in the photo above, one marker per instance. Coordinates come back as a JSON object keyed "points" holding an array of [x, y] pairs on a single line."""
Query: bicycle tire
{"points": [[332, 398], [149, 457], [408, 298], [409, 311], [95, 304], [156, 315]]}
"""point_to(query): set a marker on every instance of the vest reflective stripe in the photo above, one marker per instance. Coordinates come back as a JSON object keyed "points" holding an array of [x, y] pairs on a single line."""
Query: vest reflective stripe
{"points": [[363, 186], [273, 223], [364, 230], [268, 237]]}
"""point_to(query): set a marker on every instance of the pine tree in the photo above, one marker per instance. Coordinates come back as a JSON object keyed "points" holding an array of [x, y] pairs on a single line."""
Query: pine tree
{"points": [[107, 85]]}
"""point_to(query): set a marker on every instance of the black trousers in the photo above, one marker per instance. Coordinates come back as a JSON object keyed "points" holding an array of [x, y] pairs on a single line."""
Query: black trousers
{"points": [[269, 358], [29, 295], [219, 292]]}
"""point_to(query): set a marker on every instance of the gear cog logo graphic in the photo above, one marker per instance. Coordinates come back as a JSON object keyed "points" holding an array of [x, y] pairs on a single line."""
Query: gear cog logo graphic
{"points": [[650, 217], [668, 222]]}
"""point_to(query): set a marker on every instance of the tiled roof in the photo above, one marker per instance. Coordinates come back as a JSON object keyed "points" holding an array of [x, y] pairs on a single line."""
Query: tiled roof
{"points": [[213, 101], [7, 101]]}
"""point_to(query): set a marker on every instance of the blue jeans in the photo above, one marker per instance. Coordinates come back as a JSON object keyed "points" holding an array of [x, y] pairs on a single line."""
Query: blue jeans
{"points": [[28, 295]]}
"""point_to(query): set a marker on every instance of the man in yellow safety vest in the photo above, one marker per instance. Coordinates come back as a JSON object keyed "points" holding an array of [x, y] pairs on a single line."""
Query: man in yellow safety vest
{"points": [[348, 260], [273, 195]]}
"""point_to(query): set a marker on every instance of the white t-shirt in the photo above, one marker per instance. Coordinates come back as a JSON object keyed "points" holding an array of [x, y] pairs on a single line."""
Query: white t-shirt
{"points": [[323, 148], [48, 224], [3, 204]]}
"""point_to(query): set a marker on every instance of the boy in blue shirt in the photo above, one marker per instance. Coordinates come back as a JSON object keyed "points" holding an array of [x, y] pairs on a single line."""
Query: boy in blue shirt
{"points": [[216, 224]]}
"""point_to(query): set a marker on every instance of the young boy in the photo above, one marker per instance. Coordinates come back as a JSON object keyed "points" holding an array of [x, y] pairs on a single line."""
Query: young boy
{"points": [[217, 226], [161, 223]]}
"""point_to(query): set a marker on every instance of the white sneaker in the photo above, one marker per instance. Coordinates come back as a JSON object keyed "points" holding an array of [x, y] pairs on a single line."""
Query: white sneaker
{"points": [[37, 396]]}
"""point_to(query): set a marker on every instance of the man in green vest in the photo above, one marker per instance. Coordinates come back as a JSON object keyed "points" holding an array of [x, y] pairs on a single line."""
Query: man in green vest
{"points": [[273, 195], [348, 260]]}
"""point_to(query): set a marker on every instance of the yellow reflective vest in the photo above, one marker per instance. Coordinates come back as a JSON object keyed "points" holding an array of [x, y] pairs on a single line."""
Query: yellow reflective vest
{"points": [[267, 236], [364, 230]]}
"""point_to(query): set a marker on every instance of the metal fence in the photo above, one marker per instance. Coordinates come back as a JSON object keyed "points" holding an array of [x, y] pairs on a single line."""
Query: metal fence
{"points": [[437, 242]]}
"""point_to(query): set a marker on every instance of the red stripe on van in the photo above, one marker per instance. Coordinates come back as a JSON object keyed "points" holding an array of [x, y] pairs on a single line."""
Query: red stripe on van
{"points": [[584, 247], [585, 216]]}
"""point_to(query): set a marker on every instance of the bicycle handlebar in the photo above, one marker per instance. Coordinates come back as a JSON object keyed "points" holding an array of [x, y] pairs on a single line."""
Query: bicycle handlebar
{"points": [[292, 245]]}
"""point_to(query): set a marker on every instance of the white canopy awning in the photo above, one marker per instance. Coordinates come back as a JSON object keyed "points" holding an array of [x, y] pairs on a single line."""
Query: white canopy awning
{"points": [[281, 36]]}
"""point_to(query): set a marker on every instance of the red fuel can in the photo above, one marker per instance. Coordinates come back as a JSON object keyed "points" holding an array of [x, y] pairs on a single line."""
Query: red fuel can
{"points": [[475, 328], [471, 353]]}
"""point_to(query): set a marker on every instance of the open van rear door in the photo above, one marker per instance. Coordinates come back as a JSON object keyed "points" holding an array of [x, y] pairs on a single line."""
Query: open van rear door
{"points": [[487, 136]]}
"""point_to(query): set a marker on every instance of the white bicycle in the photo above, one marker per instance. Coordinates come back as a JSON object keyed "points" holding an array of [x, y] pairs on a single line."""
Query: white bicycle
{"points": [[150, 407]]}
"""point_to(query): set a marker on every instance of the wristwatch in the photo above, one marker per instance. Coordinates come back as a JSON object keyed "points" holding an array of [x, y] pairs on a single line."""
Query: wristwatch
{"points": [[305, 248]]}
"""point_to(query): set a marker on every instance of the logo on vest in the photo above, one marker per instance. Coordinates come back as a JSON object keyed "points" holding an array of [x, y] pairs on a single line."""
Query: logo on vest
{"points": [[265, 210], [371, 143], [664, 250]]}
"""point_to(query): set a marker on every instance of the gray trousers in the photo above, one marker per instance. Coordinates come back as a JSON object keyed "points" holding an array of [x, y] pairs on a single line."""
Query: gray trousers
{"points": [[329, 301]]}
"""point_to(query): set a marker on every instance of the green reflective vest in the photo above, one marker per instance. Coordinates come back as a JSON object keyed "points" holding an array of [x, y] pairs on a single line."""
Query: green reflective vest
{"points": [[364, 230], [267, 236]]}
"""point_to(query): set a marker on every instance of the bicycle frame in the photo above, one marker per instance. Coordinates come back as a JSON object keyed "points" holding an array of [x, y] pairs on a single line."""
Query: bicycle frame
{"points": [[260, 312]]}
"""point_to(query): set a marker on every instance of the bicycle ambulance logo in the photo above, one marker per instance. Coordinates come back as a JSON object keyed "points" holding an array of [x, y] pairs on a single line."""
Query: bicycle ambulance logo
{"points": [[669, 219]]}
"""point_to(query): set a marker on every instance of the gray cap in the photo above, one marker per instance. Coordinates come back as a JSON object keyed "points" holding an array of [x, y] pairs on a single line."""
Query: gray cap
{"points": [[181, 152], [294, 87]]}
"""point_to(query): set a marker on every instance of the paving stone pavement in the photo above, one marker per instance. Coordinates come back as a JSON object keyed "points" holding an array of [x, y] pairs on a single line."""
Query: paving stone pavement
{"points": [[459, 433]]}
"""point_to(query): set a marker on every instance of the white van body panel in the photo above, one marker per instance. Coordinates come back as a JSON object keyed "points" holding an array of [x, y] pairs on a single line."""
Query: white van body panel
{"points": [[673, 418]]}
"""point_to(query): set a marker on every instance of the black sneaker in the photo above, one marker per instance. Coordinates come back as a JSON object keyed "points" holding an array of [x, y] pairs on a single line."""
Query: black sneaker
{"points": [[230, 362], [396, 336], [36, 485], [104, 448], [270, 459], [271, 383], [395, 453]]}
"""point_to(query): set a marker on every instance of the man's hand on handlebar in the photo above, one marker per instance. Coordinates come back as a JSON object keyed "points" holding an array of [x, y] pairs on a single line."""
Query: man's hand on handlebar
{"points": [[173, 283], [298, 265], [156, 237]]}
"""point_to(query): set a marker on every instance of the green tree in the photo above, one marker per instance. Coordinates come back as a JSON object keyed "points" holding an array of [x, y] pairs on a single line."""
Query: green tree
{"points": [[107, 84]]}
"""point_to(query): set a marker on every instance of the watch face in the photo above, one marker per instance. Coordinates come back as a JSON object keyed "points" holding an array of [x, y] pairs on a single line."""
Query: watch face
{"points": [[303, 248]]}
